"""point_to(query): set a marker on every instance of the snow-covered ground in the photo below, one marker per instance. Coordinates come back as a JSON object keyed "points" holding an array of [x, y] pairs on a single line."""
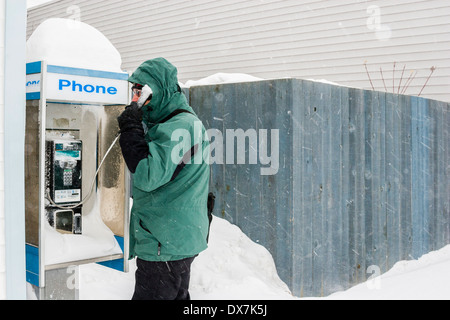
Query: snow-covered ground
{"points": [[427, 278], [235, 268]]}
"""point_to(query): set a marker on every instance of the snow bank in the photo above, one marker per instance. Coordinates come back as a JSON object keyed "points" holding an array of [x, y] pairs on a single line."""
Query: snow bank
{"points": [[233, 267], [71, 43], [427, 278], [220, 78]]}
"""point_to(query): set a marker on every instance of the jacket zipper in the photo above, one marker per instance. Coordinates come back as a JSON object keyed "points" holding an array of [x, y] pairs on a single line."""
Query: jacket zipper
{"points": [[159, 243], [159, 254]]}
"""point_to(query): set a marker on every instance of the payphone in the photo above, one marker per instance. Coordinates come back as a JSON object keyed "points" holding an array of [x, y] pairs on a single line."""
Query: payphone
{"points": [[77, 184], [63, 166]]}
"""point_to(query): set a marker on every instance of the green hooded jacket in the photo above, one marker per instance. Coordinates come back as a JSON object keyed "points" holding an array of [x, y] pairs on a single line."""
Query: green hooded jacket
{"points": [[169, 218]]}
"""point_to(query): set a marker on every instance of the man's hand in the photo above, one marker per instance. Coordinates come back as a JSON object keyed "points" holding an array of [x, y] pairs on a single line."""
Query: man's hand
{"points": [[130, 119], [132, 139]]}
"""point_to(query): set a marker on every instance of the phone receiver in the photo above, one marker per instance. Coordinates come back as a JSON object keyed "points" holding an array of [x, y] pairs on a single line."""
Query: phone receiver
{"points": [[145, 95]]}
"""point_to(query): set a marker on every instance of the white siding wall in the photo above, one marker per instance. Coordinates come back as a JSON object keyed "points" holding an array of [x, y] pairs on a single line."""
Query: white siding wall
{"points": [[320, 39], [2, 158]]}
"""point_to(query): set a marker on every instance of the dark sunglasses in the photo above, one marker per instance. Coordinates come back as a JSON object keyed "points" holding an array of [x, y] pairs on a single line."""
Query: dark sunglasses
{"points": [[137, 90]]}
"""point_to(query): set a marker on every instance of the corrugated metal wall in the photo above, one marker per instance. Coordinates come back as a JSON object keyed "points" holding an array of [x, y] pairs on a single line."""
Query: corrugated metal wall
{"points": [[319, 39], [363, 178]]}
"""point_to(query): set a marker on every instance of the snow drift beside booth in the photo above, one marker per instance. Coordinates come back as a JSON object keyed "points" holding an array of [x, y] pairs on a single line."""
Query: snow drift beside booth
{"points": [[233, 267]]}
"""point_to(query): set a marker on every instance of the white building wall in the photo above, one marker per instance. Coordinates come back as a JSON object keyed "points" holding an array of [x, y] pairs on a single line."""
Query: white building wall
{"points": [[2, 157], [320, 39]]}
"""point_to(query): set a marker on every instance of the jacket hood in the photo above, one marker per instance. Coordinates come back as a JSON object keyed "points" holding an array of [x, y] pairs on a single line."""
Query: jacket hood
{"points": [[162, 77]]}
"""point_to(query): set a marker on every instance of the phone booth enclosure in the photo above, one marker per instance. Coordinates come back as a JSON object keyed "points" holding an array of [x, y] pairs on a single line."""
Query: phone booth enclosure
{"points": [[65, 143]]}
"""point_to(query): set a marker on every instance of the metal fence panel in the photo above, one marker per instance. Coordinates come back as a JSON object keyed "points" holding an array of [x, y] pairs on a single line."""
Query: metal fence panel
{"points": [[363, 177]]}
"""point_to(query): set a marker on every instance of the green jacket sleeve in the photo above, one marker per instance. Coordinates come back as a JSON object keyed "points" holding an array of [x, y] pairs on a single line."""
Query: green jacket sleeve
{"points": [[165, 154]]}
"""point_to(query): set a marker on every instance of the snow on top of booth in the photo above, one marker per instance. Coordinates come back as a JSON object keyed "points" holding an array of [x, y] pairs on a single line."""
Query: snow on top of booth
{"points": [[71, 43]]}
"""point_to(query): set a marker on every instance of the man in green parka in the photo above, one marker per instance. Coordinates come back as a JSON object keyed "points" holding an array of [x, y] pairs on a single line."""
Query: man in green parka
{"points": [[164, 146]]}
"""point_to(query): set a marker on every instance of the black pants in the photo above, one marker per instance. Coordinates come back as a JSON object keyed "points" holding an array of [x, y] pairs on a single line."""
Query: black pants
{"points": [[163, 280]]}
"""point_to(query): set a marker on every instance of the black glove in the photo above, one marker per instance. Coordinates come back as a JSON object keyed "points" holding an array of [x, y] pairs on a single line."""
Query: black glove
{"points": [[130, 119], [132, 139]]}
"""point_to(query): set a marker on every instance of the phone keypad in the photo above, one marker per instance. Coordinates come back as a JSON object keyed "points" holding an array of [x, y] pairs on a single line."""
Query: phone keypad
{"points": [[68, 178]]}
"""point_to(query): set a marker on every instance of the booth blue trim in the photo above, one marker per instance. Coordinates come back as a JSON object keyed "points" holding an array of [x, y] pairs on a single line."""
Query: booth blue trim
{"points": [[34, 67], [32, 265], [33, 96], [87, 73], [32, 262], [118, 263]]}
